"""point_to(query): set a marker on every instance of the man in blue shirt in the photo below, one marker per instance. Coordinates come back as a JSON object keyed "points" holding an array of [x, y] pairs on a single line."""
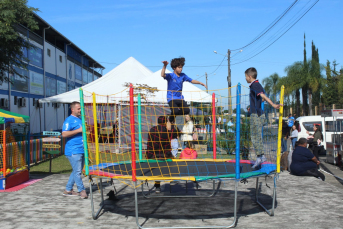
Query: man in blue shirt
{"points": [[74, 151], [176, 101], [257, 117], [230, 127]]}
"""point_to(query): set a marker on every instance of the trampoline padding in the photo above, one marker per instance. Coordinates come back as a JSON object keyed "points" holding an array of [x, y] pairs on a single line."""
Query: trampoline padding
{"points": [[174, 169]]}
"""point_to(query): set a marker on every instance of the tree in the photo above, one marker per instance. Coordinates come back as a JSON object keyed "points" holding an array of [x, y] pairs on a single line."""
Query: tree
{"points": [[13, 12], [270, 84], [332, 89], [294, 82]]}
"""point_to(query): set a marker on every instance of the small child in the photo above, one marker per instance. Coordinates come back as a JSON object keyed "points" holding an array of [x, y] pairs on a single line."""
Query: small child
{"points": [[257, 117], [175, 133], [176, 101], [189, 152]]}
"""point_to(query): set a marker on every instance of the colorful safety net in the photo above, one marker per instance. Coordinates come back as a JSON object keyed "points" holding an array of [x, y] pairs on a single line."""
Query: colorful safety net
{"points": [[136, 135]]}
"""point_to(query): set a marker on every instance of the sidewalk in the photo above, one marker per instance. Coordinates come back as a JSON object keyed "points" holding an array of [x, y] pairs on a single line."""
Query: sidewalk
{"points": [[302, 202]]}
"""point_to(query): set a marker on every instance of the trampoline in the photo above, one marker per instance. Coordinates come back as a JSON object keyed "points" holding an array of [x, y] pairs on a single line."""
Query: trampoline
{"points": [[192, 170], [134, 121]]}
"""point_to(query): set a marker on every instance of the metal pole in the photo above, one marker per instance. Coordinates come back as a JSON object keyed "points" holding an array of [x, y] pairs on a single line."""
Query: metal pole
{"points": [[238, 130], [132, 124], [140, 127], [206, 83], [229, 82], [278, 157], [97, 156], [214, 126], [84, 136]]}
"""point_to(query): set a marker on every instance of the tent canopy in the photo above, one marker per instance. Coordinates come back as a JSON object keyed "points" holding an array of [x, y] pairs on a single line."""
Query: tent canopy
{"points": [[112, 82], [10, 117], [130, 71]]}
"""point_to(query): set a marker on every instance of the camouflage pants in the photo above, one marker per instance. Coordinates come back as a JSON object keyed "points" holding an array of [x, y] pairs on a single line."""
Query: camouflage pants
{"points": [[256, 124]]}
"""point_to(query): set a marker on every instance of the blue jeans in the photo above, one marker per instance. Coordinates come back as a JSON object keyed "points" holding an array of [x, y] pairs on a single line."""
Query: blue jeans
{"points": [[208, 128], [293, 142], [76, 161], [283, 145]]}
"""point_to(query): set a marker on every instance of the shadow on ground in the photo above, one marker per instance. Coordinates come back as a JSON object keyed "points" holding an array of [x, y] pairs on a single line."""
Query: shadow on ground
{"points": [[221, 205]]}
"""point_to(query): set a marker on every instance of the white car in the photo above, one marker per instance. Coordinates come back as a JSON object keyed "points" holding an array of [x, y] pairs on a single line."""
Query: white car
{"points": [[327, 125]]}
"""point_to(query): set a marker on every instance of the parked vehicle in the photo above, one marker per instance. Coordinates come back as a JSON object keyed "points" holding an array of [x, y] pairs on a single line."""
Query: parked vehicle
{"points": [[305, 123]]}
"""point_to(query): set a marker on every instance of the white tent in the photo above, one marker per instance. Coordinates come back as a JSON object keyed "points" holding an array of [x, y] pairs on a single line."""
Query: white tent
{"points": [[112, 82], [134, 72]]}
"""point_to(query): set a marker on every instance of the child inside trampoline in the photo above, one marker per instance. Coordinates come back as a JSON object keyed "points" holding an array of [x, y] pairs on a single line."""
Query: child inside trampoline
{"points": [[177, 104], [189, 152]]}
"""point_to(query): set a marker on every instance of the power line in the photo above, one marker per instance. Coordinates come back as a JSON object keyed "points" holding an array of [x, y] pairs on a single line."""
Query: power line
{"points": [[279, 36], [270, 27], [249, 54]]}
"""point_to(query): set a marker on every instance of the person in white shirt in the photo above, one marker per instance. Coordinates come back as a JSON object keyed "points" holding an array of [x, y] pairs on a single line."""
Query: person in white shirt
{"points": [[294, 136], [187, 131]]}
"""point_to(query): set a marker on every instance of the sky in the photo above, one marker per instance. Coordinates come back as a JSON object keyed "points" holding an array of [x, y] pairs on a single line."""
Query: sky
{"points": [[152, 31]]}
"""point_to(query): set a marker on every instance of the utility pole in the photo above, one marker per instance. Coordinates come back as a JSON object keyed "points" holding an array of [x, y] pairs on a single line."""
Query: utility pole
{"points": [[228, 82], [206, 82]]}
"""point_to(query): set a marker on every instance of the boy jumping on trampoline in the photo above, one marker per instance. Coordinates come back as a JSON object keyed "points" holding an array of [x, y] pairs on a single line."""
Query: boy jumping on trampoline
{"points": [[176, 101], [257, 117]]}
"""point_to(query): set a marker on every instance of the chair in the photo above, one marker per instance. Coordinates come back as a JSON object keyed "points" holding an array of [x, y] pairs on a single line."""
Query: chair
{"points": [[51, 144]]}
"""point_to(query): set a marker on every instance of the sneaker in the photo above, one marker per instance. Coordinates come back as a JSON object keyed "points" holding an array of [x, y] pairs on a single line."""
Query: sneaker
{"points": [[157, 188], [83, 194], [259, 160], [70, 193]]}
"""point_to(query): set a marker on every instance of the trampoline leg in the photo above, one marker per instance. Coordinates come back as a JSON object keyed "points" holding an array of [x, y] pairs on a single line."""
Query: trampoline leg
{"points": [[271, 212], [230, 226], [102, 204]]}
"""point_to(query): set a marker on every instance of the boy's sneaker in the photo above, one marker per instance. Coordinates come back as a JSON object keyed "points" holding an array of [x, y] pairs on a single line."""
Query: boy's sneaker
{"points": [[70, 193], [83, 194], [259, 160], [157, 188]]}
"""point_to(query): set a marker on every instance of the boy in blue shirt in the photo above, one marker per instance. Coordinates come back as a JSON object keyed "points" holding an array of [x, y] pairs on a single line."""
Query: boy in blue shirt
{"points": [[74, 151], [257, 117], [176, 101]]}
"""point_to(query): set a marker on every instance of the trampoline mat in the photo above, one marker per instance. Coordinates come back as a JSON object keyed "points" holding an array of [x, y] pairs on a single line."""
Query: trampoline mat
{"points": [[179, 168]]}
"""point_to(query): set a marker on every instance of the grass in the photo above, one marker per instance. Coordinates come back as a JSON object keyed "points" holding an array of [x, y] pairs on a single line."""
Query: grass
{"points": [[59, 165]]}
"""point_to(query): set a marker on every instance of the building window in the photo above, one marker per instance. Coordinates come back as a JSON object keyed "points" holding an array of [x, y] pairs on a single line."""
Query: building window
{"points": [[60, 58], [49, 52]]}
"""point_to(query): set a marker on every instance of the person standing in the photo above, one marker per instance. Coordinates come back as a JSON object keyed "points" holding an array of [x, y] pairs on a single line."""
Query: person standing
{"points": [[290, 122], [294, 135], [74, 151], [187, 131], [257, 118], [315, 140], [230, 128]]}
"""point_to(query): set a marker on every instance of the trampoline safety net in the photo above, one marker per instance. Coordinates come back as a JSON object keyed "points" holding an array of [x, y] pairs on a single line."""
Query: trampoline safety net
{"points": [[138, 135]]}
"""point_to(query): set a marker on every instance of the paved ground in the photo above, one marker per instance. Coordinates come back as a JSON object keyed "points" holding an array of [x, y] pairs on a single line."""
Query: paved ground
{"points": [[302, 202]]}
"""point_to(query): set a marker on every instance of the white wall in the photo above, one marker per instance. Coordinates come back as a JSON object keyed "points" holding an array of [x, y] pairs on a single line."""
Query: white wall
{"points": [[50, 64], [36, 120], [61, 67]]}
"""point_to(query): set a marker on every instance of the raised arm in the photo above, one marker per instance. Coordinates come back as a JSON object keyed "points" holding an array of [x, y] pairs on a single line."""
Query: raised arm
{"points": [[265, 98], [163, 72], [198, 82]]}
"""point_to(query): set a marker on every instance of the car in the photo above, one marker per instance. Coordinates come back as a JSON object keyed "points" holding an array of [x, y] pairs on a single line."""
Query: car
{"points": [[327, 124]]}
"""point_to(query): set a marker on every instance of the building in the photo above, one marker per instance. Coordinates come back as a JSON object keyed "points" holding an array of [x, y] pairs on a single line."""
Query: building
{"points": [[55, 66]]}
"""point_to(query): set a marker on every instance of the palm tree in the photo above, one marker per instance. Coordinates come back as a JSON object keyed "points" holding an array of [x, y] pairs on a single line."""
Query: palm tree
{"points": [[270, 84], [294, 82]]}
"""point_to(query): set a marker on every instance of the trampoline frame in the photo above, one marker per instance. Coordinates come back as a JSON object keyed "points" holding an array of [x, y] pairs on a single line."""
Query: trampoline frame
{"points": [[270, 212]]}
